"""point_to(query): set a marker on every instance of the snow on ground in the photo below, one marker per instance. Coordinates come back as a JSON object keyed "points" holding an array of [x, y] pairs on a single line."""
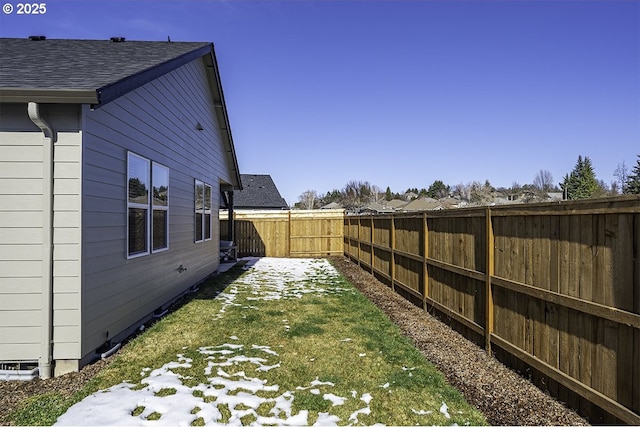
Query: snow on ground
{"points": [[241, 393]]}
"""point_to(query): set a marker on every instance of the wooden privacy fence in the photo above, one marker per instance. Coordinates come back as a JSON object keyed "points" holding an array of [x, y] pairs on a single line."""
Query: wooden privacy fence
{"points": [[296, 233], [551, 289]]}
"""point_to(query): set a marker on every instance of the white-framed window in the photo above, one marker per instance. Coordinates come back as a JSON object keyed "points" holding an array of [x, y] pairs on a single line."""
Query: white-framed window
{"points": [[202, 211], [160, 208], [147, 206]]}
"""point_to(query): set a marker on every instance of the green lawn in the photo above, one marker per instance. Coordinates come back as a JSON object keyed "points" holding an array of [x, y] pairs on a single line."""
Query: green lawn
{"points": [[288, 341]]}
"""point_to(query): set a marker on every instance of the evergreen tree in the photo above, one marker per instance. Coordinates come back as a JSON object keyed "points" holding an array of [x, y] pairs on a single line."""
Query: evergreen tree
{"points": [[388, 195], [581, 183], [438, 190], [633, 180]]}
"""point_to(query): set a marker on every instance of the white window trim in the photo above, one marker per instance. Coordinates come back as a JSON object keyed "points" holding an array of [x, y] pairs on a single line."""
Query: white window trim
{"points": [[149, 207], [203, 211]]}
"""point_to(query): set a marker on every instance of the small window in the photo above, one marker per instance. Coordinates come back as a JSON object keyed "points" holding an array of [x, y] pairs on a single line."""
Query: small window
{"points": [[207, 212], [199, 210], [138, 179], [202, 211], [160, 220]]}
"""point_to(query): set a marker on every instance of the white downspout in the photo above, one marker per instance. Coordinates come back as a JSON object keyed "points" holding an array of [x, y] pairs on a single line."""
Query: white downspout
{"points": [[45, 359]]}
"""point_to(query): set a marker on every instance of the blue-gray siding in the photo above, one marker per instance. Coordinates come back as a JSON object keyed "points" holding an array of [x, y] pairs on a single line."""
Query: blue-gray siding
{"points": [[157, 121]]}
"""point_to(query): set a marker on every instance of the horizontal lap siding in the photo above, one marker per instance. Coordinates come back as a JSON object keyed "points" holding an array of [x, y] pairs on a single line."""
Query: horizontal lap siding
{"points": [[22, 147], [157, 121], [67, 252]]}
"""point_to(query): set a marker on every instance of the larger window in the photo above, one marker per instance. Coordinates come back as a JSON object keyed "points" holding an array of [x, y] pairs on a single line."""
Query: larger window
{"points": [[202, 211], [147, 206]]}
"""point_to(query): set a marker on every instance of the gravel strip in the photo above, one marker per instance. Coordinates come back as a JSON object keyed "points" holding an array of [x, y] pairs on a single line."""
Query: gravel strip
{"points": [[502, 395]]}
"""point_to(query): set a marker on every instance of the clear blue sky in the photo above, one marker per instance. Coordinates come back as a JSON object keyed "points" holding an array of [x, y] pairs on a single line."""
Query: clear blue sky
{"points": [[400, 93]]}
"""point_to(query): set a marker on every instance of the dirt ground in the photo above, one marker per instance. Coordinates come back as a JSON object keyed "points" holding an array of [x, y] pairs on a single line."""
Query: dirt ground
{"points": [[502, 395]]}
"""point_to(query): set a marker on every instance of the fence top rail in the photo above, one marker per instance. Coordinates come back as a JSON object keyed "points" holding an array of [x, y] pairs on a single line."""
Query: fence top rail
{"points": [[620, 204], [609, 205], [277, 214]]}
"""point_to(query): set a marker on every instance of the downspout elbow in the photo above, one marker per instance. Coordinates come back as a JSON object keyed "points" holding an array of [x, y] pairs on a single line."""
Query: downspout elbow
{"points": [[33, 109]]}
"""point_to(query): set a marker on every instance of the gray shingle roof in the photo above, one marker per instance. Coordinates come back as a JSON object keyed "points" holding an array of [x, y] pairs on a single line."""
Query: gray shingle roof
{"points": [[101, 67], [98, 71], [258, 192]]}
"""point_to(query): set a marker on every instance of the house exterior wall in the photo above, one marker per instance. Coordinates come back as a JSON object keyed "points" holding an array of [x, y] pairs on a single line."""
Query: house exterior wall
{"points": [[157, 121], [23, 277]]}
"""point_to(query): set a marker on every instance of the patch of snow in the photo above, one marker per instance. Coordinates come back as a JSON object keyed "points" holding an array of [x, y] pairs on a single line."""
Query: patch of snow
{"points": [[444, 409], [354, 416], [264, 348], [316, 382], [335, 400], [325, 419], [422, 412], [366, 398]]}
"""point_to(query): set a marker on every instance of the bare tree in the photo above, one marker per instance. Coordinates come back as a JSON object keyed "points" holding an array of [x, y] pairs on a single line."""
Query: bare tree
{"points": [[543, 181], [308, 199], [377, 194], [622, 173], [614, 189], [481, 193], [462, 191], [359, 193]]}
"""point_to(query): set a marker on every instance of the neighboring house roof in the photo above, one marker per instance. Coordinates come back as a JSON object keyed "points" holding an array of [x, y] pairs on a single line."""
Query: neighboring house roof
{"points": [[332, 205], [449, 202], [396, 203], [258, 192], [376, 208], [96, 72], [422, 205]]}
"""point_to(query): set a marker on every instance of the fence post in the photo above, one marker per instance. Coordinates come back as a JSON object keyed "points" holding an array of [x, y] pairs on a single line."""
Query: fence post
{"points": [[373, 273], [289, 234], [392, 265], [489, 271], [359, 245], [425, 266]]}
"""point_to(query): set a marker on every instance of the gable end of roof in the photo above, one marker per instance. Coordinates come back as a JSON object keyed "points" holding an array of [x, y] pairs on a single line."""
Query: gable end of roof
{"points": [[115, 90]]}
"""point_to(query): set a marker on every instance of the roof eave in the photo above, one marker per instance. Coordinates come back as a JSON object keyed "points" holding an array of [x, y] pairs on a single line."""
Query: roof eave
{"points": [[49, 96], [220, 107]]}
